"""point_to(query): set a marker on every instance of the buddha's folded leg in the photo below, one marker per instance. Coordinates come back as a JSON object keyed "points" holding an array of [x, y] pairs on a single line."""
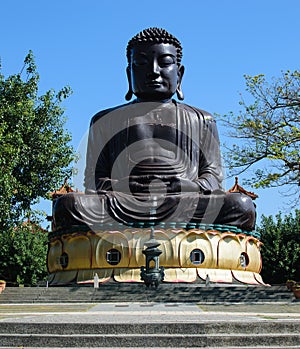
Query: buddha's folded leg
{"points": [[238, 210], [234, 209], [79, 209]]}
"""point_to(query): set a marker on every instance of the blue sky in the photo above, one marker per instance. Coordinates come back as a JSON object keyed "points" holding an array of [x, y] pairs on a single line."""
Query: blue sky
{"points": [[82, 44]]}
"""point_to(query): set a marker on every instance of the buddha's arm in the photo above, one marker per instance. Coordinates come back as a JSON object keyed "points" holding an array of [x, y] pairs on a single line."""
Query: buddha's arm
{"points": [[89, 173], [210, 172], [97, 172]]}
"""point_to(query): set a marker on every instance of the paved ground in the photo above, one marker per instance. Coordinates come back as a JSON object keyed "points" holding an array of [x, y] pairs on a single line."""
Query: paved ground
{"points": [[150, 312]]}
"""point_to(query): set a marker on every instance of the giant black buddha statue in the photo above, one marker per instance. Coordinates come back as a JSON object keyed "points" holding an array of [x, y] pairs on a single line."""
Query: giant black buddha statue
{"points": [[154, 158], [154, 162]]}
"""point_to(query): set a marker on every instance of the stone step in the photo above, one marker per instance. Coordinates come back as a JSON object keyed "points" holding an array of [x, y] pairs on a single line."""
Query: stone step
{"points": [[139, 293], [187, 328], [230, 334], [265, 347], [143, 340]]}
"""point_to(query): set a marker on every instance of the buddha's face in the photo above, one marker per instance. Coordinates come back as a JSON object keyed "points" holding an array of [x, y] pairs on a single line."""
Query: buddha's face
{"points": [[154, 73]]}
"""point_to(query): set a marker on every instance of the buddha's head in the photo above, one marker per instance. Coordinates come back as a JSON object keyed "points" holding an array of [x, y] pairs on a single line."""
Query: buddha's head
{"points": [[154, 66]]}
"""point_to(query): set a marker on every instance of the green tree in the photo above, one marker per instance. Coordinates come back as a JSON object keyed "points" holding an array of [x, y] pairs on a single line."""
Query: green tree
{"points": [[34, 146], [269, 128], [35, 157], [281, 248], [23, 252]]}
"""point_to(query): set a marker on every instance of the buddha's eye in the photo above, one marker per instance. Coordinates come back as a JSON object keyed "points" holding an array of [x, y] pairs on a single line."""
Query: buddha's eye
{"points": [[166, 60], [140, 61]]}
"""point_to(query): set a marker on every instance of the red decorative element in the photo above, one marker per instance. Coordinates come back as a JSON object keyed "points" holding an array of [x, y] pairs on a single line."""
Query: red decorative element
{"points": [[238, 189], [64, 189]]}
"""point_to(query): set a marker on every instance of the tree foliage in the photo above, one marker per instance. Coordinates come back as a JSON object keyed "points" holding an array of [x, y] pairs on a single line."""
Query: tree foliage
{"points": [[23, 251], [34, 147], [281, 248], [35, 157], [269, 128]]}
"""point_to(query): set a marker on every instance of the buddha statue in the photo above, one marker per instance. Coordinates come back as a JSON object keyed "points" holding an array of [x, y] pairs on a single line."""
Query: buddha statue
{"points": [[153, 161], [155, 147]]}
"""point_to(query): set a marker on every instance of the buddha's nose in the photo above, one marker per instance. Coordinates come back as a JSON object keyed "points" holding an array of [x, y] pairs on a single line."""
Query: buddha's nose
{"points": [[154, 68]]}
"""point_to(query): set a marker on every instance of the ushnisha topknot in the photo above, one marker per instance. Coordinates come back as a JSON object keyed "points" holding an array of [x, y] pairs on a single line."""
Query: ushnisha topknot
{"points": [[156, 36]]}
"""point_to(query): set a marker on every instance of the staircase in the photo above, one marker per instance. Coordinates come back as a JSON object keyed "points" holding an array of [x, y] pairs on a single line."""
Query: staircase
{"points": [[160, 335], [90, 329], [166, 293]]}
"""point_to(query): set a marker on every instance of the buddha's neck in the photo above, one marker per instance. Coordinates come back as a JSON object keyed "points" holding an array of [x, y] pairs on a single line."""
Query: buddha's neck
{"points": [[139, 100]]}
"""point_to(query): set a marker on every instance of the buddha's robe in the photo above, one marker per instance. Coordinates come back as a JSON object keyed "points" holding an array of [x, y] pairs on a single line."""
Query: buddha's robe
{"points": [[154, 143], [162, 139]]}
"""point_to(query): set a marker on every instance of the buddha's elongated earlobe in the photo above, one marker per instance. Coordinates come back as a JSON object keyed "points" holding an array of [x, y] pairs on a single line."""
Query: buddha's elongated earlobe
{"points": [[129, 93], [179, 92]]}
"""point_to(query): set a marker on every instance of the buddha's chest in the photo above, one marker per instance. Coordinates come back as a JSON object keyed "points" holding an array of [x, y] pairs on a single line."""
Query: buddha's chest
{"points": [[153, 127]]}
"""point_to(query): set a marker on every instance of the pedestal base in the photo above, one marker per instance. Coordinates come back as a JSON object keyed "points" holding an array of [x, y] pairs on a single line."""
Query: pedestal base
{"points": [[194, 255]]}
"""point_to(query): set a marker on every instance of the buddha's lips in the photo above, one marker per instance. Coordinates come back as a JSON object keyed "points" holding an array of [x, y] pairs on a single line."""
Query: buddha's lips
{"points": [[153, 83]]}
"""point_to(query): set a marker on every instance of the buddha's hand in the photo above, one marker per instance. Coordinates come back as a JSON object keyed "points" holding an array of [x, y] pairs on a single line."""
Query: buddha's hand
{"points": [[155, 184], [142, 184], [130, 184], [125, 185], [178, 185]]}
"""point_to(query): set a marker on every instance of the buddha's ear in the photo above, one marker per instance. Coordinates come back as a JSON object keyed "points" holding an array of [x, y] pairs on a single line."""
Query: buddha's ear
{"points": [[129, 93], [179, 92]]}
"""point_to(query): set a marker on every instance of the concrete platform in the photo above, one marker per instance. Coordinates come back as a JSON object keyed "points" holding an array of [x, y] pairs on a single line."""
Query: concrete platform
{"points": [[147, 312], [142, 325], [247, 323]]}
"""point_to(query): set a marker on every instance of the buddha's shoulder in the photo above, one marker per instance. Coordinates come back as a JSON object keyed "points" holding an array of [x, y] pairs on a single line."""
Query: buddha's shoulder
{"points": [[101, 113], [203, 114]]}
